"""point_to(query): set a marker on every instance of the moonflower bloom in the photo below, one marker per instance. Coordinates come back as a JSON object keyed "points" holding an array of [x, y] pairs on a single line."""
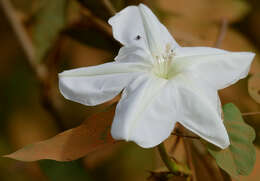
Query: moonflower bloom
{"points": [[162, 82]]}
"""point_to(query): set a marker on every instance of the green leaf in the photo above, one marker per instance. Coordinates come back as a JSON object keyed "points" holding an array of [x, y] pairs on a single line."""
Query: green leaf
{"points": [[239, 157], [49, 21]]}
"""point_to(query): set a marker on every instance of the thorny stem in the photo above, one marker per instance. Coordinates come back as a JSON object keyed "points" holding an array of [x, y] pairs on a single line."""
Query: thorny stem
{"points": [[171, 164]]}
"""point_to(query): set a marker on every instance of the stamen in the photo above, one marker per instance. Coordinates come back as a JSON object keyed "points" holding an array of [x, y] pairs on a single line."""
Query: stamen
{"points": [[163, 62]]}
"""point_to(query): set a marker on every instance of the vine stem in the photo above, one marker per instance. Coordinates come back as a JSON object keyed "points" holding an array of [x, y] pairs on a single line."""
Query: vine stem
{"points": [[170, 163]]}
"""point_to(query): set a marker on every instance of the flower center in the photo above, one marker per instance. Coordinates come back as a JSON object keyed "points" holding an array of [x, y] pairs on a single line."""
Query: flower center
{"points": [[163, 62]]}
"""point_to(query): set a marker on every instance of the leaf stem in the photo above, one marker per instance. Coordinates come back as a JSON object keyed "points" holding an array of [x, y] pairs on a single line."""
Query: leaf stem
{"points": [[171, 164]]}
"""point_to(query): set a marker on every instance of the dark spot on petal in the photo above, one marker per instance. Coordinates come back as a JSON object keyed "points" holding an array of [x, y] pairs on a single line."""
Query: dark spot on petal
{"points": [[138, 37], [258, 92]]}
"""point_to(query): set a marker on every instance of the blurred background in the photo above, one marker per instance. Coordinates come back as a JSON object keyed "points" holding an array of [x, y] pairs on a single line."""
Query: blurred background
{"points": [[39, 38]]}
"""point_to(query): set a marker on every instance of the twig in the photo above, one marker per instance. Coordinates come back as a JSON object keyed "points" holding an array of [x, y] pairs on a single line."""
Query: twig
{"points": [[23, 38], [109, 6], [49, 102], [222, 33], [99, 23], [39, 70], [250, 113]]}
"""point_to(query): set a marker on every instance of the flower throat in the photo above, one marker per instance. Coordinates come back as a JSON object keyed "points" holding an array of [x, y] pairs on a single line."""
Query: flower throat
{"points": [[163, 62]]}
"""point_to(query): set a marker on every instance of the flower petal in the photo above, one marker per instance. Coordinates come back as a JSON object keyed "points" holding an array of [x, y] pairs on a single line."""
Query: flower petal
{"points": [[197, 109], [144, 114], [195, 51], [138, 26], [133, 54], [208, 92], [97, 84], [218, 68]]}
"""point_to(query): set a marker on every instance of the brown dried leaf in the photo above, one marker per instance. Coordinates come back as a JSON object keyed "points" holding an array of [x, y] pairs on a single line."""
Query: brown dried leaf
{"points": [[97, 158], [71, 144], [254, 87], [203, 166], [207, 10]]}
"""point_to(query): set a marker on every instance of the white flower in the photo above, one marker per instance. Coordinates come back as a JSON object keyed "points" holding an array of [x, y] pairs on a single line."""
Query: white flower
{"points": [[162, 82]]}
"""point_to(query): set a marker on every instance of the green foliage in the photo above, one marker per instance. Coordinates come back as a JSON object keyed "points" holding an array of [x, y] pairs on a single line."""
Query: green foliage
{"points": [[240, 156], [49, 21], [64, 171]]}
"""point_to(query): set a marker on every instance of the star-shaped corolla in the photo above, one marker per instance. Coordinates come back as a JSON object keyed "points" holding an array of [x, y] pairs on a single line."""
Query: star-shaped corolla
{"points": [[162, 82]]}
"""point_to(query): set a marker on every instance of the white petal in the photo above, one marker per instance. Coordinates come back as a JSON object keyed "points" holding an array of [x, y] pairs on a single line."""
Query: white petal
{"points": [[132, 54], [218, 68], [138, 26], [97, 84], [211, 94], [198, 113], [145, 114], [194, 51]]}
